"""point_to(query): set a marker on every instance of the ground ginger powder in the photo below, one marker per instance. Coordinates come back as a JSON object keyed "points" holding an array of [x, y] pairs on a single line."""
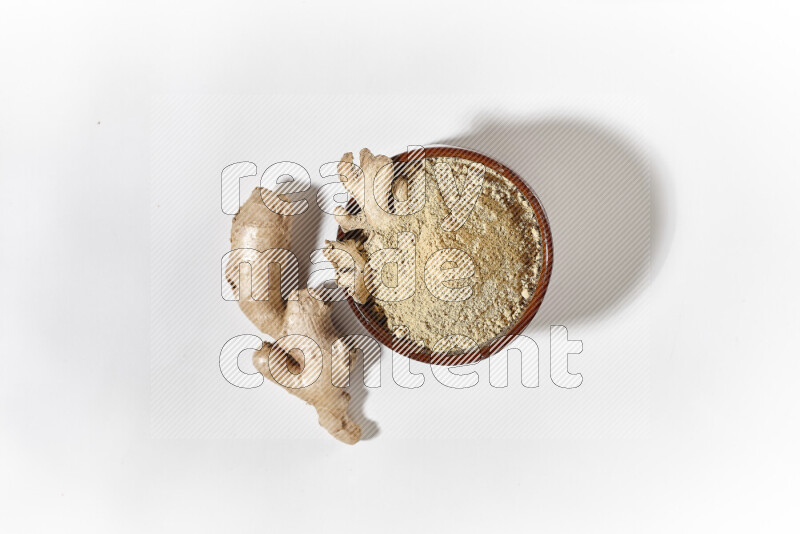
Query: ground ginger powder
{"points": [[503, 239]]}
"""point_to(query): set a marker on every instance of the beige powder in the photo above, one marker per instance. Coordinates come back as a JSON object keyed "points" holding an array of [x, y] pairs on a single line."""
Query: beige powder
{"points": [[501, 236]]}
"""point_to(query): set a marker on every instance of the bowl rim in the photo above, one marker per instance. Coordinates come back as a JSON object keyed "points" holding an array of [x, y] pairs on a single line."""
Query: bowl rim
{"points": [[497, 344]]}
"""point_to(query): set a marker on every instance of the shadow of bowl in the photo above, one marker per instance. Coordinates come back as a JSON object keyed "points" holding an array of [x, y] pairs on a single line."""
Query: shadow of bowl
{"points": [[599, 191]]}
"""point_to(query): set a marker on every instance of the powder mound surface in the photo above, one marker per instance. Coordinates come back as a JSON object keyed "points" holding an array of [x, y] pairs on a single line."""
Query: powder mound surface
{"points": [[501, 236]]}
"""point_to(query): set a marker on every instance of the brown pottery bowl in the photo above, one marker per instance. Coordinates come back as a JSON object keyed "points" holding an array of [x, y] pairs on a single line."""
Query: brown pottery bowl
{"points": [[376, 325]]}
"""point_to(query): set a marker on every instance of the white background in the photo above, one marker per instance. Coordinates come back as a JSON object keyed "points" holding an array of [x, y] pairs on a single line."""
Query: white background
{"points": [[594, 178], [718, 86]]}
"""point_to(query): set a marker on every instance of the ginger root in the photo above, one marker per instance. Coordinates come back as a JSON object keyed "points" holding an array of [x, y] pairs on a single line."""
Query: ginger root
{"points": [[303, 316], [373, 188]]}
